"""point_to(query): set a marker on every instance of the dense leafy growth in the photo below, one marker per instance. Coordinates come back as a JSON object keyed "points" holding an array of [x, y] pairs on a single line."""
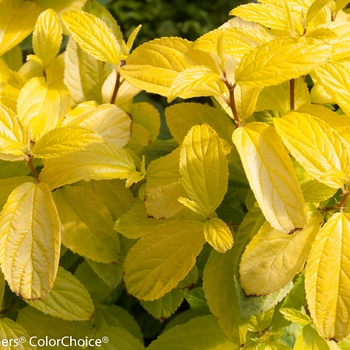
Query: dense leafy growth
{"points": [[242, 215]]}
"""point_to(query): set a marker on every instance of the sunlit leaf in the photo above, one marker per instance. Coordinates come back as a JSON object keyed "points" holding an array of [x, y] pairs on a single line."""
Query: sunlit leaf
{"points": [[271, 176], [327, 278], [30, 238], [218, 235], [162, 258], [93, 35]]}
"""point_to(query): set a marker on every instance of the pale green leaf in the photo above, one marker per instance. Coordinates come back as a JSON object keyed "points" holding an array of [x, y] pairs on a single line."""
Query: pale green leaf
{"points": [[147, 115], [295, 316], [30, 238], [170, 56], [327, 279], [68, 299], [280, 60], [116, 338], [165, 306], [9, 184], [162, 258], [114, 195], [88, 229], [201, 333], [271, 176], [13, 58], [42, 105], [13, 136], [259, 323], [273, 258], [181, 117], [61, 141], [218, 235], [16, 23], [97, 162], [111, 122], [116, 316], [38, 325], [135, 223], [97, 289], [84, 76], [93, 35], [311, 340], [202, 150], [277, 97], [164, 187], [13, 336], [315, 192], [47, 37], [221, 296], [327, 158]]}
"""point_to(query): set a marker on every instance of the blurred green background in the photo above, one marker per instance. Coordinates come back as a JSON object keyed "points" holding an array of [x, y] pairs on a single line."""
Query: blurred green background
{"points": [[187, 19]]}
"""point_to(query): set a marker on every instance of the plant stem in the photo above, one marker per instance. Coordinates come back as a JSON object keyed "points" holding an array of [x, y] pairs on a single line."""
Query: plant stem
{"points": [[116, 87], [232, 103], [292, 94], [31, 166]]}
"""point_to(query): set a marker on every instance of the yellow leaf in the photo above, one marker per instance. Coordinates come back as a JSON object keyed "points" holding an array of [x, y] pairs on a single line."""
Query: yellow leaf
{"points": [[87, 229], [30, 240], [204, 168], [93, 35], [84, 75], [271, 176], [218, 235], [236, 41], [280, 60], [163, 186], [310, 339], [169, 57], [109, 121], [68, 299], [333, 76], [41, 106], [194, 82], [13, 333], [60, 141], [273, 258], [16, 22], [267, 14], [162, 258], [47, 37], [327, 158], [101, 161], [62, 5], [181, 117], [13, 136], [327, 278]]}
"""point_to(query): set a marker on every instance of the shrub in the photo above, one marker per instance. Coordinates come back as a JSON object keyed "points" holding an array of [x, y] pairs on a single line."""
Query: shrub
{"points": [[243, 212]]}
